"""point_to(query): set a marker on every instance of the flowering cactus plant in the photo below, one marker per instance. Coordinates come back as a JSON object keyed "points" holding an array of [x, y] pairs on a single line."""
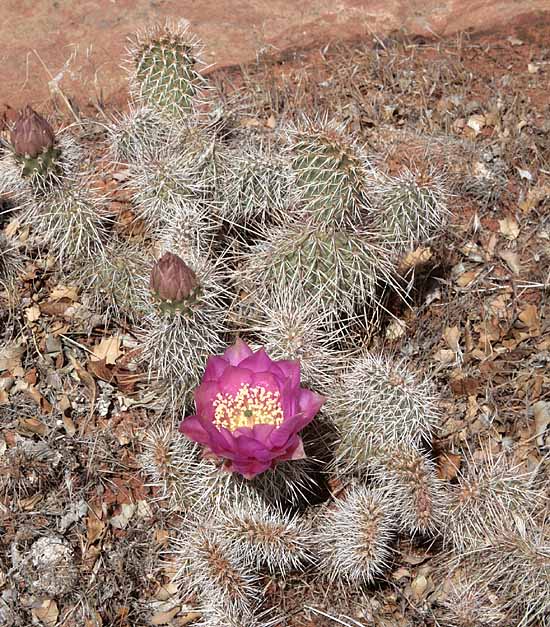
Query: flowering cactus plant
{"points": [[31, 133], [172, 280], [249, 410]]}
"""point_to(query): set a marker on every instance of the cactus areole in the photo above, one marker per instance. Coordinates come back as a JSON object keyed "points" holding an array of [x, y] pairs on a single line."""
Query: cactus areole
{"points": [[250, 409]]}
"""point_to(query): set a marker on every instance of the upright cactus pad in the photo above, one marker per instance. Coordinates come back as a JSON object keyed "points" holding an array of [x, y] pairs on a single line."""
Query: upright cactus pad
{"points": [[165, 74], [379, 400], [330, 174], [335, 268], [140, 132], [411, 208], [257, 186]]}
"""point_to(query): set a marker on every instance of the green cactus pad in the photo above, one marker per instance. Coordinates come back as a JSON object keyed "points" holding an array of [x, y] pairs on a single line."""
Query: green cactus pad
{"points": [[330, 175], [165, 73], [335, 268]]}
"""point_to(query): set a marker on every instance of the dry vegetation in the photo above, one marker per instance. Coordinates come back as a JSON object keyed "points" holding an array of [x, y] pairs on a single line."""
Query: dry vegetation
{"points": [[75, 410]]}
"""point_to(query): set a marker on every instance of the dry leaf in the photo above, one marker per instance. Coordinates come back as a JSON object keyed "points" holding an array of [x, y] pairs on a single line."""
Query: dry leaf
{"points": [[271, 121], [163, 618], [120, 521], [100, 370], [530, 318], [47, 613], [10, 356], [190, 617], [108, 349], [61, 291], [509, 227], [32, 313], [166, 591], [541, 411], [84, 376], [512, 260], [94, 527], [396, 329], [418, 586], [452, 335], [448, 465], [400, 573], [32, 426], [415, 258], [476, 122], [467, 277]]}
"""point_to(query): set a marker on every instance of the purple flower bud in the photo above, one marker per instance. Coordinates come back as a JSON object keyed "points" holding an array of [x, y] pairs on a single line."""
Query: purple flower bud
{"points": [[31, 134], [249, 410], [172, 280]]}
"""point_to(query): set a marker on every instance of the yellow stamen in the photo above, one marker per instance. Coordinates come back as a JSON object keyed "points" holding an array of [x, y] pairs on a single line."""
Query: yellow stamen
{"points": [[249, 407]]}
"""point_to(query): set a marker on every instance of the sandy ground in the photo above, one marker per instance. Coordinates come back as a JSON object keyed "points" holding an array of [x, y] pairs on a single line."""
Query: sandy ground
{"points": [[78, 46]]}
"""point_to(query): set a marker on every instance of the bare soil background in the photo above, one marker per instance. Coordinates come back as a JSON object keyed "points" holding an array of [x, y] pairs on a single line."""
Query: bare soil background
{"points": [[78, 46]]}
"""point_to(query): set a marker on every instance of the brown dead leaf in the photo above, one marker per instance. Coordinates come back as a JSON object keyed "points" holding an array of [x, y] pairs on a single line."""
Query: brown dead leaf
{"points": [[190, 617], [448, 465], [400, 573], [541, 411], [32, 313], [32, 426], [535, 196], [84, 376], [108, 350], [415, 258], [62, 291], [452, 337], [512, 260], [163, 618], [10, 356], [100, 370], [466, 278], [530, 318], [47, 613], [166, 591], [509, 227], [419, 586], [476, 122], [95, 527]]}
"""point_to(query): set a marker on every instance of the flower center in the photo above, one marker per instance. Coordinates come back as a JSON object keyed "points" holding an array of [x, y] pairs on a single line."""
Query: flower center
{"points": [[250, 406]]}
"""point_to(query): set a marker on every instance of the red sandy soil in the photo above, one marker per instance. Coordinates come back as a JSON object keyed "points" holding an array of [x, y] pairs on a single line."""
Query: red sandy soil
{"points": [[79, 46]]}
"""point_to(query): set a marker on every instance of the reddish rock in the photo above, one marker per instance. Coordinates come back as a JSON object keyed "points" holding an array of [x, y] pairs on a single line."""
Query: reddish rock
{"points": [[79, 45]]}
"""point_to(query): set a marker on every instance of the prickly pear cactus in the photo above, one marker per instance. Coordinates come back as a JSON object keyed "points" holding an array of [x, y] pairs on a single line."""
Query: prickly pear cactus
{"points": [[165, 72], [330, 174]]}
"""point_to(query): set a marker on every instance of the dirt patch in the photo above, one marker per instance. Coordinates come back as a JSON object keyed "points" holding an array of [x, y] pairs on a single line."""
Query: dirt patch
{"points": [[79, 47]]}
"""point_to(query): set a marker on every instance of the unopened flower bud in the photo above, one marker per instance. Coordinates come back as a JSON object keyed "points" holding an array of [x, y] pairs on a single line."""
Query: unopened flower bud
{"points": [[31, 134], [172, 280]]}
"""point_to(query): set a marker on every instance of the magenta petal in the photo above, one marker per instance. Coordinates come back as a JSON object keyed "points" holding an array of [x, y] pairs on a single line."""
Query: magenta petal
{"points": [[248, 448], [193, 429], [262, 433], [238, 352], [221, 442], [249, 469], [290, 427], [205, 395], [298, 452], [267, 381], [215, 367], [291, 370], [258, 362], [310, 402], [233, 379]]}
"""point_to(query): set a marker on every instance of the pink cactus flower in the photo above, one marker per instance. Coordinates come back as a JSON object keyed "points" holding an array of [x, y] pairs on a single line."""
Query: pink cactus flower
{"points": [[249, 410]]}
